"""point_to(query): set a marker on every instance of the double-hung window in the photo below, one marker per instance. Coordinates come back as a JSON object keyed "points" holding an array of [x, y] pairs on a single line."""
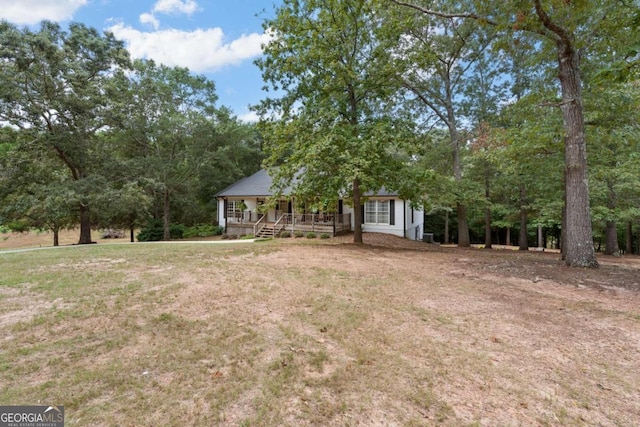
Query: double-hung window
{"points": [[233, 208], [377, 212]]}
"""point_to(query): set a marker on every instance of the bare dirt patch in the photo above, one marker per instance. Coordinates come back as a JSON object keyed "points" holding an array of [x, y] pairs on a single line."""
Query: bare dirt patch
{"points": [[302, 333]]}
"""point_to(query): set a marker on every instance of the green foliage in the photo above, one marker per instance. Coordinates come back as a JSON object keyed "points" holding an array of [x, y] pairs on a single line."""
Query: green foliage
{"points": [[122, 205], [39, 194], [362, 92], [297, 234], [17, 226], [190, 151], [151, 234], [77, 107], [310, 235], [59, 89], [324, 236], [568, 32], [154, 231], [203, 230], [333, 130], [285, 234]]}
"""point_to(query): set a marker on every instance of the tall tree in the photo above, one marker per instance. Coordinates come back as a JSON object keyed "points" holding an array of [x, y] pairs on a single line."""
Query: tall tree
{"points": [[328, 126], [613, 124], [169, 127], [528, 157], [124, 206], [56, 87], [433, 164], [38, 194], [236, 153], [481, 148], [569, 27], [440, 62]]}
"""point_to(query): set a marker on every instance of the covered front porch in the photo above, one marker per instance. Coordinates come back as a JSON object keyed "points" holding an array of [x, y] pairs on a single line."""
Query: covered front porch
{"points": [[261, 225]]}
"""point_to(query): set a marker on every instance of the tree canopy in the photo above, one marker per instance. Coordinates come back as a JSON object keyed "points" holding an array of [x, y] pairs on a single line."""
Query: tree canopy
{"points": [[516, 115], [330, 128], [57, 88], [128, 135]]}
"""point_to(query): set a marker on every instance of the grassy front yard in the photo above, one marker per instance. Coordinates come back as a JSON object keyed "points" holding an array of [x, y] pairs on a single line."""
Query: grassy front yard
{"points": [[314, 333]]}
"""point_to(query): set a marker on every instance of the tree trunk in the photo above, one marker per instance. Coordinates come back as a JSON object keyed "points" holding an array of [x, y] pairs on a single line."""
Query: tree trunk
{"points": [[446, 227], [579, 249], [629, 238], [611, 231], [85, 225], [487, 212], [540, 237], [611, 243], [487, 228], [463, 226], [357, 213], [56, 237], [523, 237], [131, 233], [563, 230], [508, 239], [461, 209], [166, 217]]}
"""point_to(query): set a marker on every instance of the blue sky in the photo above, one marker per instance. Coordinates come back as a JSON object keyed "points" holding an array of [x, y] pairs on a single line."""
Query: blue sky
{"points": [[217, 38]]}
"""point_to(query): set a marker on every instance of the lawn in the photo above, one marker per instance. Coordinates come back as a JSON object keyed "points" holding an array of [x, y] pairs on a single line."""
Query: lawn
{"points": [[319, 333]]}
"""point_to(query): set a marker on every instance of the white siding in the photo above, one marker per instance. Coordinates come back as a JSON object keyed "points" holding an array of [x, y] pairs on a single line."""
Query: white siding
{"points": [[397, 229], [405, 225], [221, 220], [414, 223]]}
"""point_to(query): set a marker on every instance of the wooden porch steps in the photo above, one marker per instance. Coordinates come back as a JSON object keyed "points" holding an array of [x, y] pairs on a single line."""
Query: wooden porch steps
{"points": [[269, 230]]}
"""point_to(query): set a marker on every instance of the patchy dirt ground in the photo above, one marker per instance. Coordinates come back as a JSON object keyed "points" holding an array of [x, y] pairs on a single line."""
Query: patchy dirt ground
{"points": [[42, 239], [391, 333], [621, 272]]}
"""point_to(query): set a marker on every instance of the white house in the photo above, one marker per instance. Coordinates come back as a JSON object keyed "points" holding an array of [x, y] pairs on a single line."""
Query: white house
{"points": [[241, 211]]}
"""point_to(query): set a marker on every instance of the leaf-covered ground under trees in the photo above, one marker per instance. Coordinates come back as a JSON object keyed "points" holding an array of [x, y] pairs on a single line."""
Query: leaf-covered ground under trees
{"points": [[297, 332]]}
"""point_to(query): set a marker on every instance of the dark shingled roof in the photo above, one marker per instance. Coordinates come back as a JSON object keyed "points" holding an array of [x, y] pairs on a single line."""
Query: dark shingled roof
{"points": [[259, 185]]}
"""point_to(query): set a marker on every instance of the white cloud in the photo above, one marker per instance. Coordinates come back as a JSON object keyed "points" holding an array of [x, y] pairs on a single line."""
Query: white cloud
{"points": [[147, 18], [174, 7], [168, 7], [200, 50], [31, 12], [250, 117]]}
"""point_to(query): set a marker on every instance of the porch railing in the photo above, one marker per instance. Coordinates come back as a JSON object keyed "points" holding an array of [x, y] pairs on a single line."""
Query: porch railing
{"points": [[339, 222], [257, 227], [244, 217], [342, 223], [324, 222]]}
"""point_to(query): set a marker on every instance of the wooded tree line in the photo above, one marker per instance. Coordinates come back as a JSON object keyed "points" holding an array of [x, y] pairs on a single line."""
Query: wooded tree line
{"points": [[496, 115], [488, 110], [94, 139]]}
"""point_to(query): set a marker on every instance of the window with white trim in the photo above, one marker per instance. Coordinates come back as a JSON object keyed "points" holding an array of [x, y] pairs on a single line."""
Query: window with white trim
{"points": [[233, 207], [376, 212]]}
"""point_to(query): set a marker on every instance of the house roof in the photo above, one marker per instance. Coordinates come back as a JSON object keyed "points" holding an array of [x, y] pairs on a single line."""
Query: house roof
{"points": [[259, 185]]}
